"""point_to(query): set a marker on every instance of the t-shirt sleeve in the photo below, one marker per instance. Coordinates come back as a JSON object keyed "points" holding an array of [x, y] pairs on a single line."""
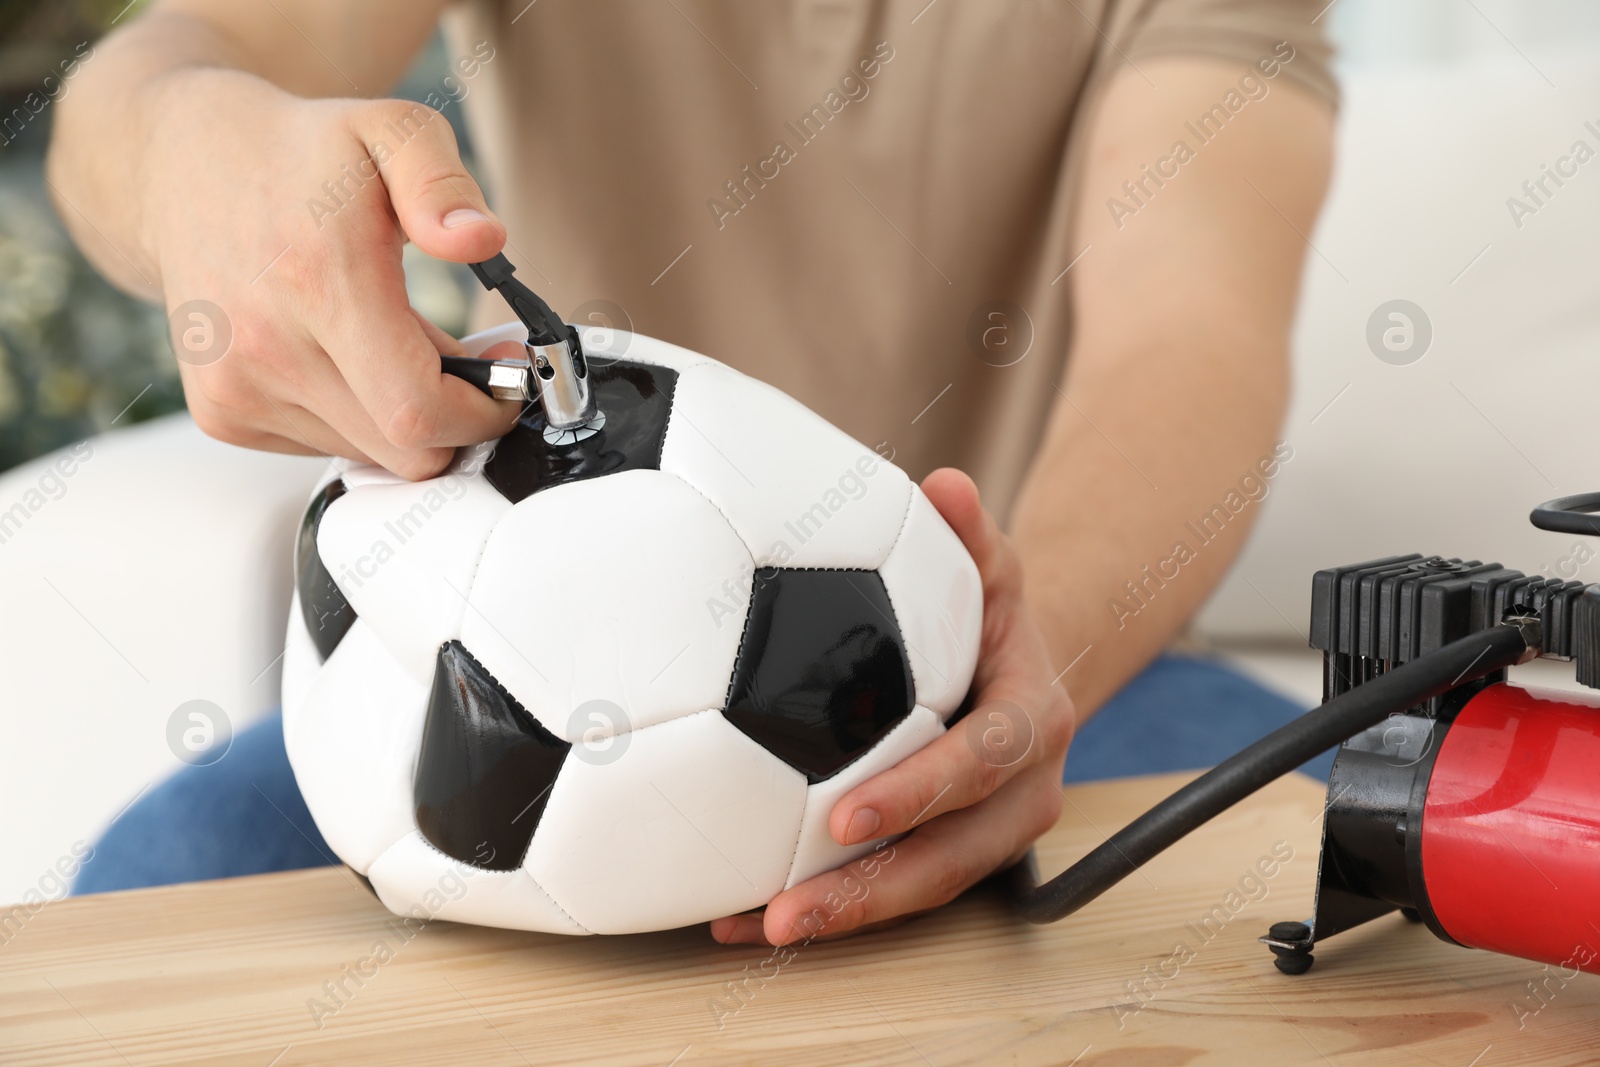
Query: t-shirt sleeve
{"points": [[1249, 32]]}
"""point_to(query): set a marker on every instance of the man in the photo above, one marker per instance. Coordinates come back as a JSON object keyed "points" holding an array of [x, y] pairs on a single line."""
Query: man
{"points": [[1055, 247]]}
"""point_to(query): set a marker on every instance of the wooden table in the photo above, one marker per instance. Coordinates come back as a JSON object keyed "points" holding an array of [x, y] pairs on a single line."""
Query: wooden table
{"points": [[222, 973]]}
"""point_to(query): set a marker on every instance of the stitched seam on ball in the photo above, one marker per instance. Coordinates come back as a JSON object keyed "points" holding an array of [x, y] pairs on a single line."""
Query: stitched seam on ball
{"points": [[521, 870], [837, 570], [911, 661], [477, 565], [738, 653], [672, 397], [506, 689], [554, 902], [749, 603], [799, 830], [905, 521], [316, 538], [672, 410], [718, 507], [794, 851]]}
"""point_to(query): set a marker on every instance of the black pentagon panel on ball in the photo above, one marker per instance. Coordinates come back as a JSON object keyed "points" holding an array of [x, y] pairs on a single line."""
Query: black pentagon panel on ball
{"points": [[635, 398], [328, 615], [486, 766], [821, 674]]}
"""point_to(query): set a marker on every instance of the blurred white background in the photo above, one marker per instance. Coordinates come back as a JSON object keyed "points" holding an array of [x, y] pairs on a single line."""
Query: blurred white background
{"points": [[1374, 33]]}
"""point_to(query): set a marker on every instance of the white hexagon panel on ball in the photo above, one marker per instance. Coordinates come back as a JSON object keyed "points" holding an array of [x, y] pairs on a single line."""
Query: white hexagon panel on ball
{"points": [[690, 822], [800, 491], [597, 590]]}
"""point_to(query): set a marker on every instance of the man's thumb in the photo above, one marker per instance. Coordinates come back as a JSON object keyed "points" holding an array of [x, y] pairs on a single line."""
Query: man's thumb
{"points": [[440, 208]]}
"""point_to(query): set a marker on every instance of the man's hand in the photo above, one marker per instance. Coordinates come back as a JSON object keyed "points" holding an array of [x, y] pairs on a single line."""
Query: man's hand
{"points": [[327, 353], [272, 224], [974, 800]]}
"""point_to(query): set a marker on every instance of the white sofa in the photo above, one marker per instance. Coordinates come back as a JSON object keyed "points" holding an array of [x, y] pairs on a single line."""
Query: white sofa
{"points": [[156, 574], [161, 574]]}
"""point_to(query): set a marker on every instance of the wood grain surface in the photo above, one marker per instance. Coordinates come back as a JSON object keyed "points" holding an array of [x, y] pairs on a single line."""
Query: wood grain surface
{"points": [[233, 972]]}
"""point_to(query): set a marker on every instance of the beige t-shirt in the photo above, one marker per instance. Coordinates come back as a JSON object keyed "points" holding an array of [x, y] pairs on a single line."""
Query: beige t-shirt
{"points": [[863, 203]]}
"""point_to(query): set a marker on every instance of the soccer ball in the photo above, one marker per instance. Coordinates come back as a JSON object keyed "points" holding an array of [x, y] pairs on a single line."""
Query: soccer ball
{"points": [[615, 680]]}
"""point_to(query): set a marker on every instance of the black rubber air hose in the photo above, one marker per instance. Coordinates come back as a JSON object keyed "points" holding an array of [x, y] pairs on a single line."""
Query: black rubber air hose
{"points": [[1270, 758]]}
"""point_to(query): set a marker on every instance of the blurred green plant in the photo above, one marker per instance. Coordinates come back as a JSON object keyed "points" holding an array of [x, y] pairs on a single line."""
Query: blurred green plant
{"points": [[78, 356], [34, 36]]}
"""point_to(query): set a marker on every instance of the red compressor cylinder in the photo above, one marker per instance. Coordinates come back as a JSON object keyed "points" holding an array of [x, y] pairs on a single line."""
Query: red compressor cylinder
{"points": [[1510, 836]]}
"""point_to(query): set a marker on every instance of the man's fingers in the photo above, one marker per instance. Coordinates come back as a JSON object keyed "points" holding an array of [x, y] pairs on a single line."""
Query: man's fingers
{"points": [[271, 442], [391, 362], [748, 928], [336, 402], [330, 422], [438, 204], [955, 496], [745, 929], [925, 870], [975, 757], [271, 424], [266, 441]]}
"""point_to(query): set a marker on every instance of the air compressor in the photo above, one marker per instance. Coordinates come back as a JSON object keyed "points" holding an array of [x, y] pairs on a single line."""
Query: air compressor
{"points": [[1465, 801]]}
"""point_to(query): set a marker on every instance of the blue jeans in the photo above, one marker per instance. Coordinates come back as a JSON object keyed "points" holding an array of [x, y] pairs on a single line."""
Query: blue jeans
{"points": [[244, 813]]}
